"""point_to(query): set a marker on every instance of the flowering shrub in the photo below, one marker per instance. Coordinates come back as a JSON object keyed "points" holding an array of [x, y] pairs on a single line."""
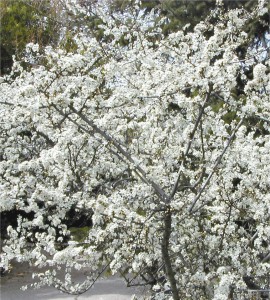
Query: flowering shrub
{"points": [[163, 140]]}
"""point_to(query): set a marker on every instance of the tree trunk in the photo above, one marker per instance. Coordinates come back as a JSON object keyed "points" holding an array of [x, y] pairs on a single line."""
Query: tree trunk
{"points": [[166, 256]]}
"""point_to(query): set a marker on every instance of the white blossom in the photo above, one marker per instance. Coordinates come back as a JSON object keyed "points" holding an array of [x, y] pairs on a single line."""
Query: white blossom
{"points": [[131, 136]]}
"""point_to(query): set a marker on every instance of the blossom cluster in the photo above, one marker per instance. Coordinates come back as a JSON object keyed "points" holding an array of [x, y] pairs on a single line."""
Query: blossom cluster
{"points": [[129, 134]]}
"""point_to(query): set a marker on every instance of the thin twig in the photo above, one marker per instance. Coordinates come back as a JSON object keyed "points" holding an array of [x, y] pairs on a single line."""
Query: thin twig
{"points": [[176, 184], [218, 160], [161, 194]]}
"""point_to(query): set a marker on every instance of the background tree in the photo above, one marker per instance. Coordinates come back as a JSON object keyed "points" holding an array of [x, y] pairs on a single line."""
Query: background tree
{"points": [[45, 23], [21, 23]]}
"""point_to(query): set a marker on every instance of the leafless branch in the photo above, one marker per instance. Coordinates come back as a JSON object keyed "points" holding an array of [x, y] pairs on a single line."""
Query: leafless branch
{"points": [[80, 292], [218, 160], [176, 184], [161, 194]]}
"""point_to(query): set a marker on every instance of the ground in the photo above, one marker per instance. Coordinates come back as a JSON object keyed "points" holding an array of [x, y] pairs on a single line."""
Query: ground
{"points": [[112, 288]]}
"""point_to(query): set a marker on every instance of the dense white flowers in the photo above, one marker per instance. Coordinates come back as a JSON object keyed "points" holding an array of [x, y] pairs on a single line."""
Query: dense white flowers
{"points": [[156, 142]]}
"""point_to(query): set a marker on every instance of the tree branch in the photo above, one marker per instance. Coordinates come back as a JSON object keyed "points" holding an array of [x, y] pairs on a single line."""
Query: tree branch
{"points": [[218, 160], [176, 184], [166, 255], [161, 194]]}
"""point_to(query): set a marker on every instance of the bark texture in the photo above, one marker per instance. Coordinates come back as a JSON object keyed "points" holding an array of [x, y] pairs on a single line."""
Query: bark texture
{"points": [[166, 255]]}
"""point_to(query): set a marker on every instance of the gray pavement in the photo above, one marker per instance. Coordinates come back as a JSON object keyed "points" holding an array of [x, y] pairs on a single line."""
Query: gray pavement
{"points": [[112, 288]]}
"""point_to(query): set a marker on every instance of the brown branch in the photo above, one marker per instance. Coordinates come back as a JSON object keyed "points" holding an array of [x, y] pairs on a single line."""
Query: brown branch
{"points": [[166, 255], [176, 184], [218, 160], [65, 290], [142, 174]]}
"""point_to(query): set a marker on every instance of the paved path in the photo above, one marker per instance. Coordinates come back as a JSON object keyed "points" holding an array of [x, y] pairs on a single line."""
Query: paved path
{"points": [[107, 289]]}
